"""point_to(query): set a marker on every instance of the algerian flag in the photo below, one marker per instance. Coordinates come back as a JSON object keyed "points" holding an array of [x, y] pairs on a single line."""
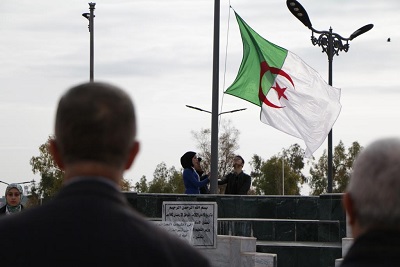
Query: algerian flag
{"points": [[293, 97]]}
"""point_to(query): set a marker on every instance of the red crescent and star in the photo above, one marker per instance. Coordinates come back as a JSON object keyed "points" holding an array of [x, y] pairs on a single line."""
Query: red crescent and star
{"points": [[279, 90]]}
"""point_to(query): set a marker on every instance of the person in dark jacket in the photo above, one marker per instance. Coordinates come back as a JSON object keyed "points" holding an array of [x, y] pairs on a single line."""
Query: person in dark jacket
{"points": [[372, 203], [89, 222], [190, 177], [237, 182]]}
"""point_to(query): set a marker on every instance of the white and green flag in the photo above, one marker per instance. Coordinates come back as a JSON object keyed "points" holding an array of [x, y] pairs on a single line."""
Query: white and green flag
{"points": [[293, 97]]}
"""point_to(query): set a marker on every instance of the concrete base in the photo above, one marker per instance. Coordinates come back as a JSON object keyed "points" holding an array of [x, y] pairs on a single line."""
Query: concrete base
{"points": [[346, 244], [237, 251], [338, 262]]}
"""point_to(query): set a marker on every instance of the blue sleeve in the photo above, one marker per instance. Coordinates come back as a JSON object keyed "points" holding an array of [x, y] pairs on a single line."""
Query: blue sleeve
{"points": [[190, 177]]}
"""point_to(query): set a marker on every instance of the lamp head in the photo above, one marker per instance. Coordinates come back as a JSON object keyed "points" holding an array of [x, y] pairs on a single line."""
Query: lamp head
{"points": [[86, 15], [360, 31], [299, 12]]}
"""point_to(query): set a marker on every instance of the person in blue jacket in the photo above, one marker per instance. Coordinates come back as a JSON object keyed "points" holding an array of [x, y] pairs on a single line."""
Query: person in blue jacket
{"points": [[190, 177]]}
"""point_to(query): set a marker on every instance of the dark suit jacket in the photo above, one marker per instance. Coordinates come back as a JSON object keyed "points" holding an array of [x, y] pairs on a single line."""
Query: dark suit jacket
{"points": [[89, 223], [375, 248], [3, 210]]}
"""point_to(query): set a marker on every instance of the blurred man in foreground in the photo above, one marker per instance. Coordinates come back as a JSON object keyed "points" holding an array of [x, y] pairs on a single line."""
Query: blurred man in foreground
{"points": [[89, 223], [372, 203]]}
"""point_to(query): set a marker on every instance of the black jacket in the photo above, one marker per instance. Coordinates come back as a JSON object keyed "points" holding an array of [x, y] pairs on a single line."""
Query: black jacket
{"points": [[204, 189], [376, 248], [3, 210], [237, 184], [89, 223]]}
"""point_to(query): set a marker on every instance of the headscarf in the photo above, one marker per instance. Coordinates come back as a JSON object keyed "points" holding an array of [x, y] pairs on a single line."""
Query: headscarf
{"points": [[186, 159], [17, 208]]}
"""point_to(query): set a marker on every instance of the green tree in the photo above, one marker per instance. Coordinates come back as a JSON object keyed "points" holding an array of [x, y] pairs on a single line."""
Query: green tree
{"points": [[175, 181], [281, 173], [141, 186], [342, 167], [33, 197], [125, 185], [256, 174], [166, 180], [294, 156], [318, 181], [51, 175], [228, 140]]}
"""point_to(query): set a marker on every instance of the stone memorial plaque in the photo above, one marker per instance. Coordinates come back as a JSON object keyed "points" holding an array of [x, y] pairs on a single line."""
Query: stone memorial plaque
{"points": [[184, 230], [203, 214]]}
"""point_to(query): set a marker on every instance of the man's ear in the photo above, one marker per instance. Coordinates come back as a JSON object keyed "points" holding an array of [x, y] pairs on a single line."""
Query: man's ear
{"points": [[55, 153], [348, 203], [349, 207], [132, 155]]}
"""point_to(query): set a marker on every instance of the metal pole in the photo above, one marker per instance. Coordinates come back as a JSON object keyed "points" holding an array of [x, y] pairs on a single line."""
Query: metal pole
{"points": [[215, 98], [330, 152], [283, 176], [91, 29]]}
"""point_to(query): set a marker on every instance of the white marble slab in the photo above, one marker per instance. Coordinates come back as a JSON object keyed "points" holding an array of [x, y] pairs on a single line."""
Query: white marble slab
{"points": [[202, 214]]}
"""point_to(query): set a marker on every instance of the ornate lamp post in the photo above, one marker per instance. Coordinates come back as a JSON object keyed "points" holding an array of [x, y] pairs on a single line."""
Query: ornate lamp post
{"points": [[90, 17], [331, 43]]}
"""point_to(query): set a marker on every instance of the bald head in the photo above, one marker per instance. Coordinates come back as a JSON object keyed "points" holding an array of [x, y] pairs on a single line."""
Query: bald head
{"points": [[374, 186], [95, 122]]}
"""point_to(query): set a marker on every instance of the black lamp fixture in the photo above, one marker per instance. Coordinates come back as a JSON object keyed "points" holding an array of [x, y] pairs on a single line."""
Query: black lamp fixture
{"points": [[87, 16], [331, 44]]}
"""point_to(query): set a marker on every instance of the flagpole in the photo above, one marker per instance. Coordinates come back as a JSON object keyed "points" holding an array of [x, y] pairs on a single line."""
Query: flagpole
{"points": [[283, 176], [331, 44], [215, 99]]}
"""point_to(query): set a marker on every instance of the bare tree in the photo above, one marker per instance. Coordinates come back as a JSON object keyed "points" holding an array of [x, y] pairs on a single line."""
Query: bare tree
{"points": [[228, 144]]}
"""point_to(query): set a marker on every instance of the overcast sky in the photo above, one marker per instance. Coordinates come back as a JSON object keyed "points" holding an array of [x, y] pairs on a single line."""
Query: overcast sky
{"points": [[160, 52]]}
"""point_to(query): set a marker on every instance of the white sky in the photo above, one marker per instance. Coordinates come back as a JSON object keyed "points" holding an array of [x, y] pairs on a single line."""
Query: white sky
{"points": [[160, 51]]}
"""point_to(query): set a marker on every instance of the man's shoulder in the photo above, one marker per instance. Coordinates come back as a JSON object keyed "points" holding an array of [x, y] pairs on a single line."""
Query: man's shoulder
{"points": [[245, 175], [155, 241], [231, 174]]}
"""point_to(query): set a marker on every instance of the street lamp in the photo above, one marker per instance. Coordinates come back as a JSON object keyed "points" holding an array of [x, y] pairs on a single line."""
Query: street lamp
{"points": [[90, 17], [229, 111], [331, 44], [214, 144], [28, 182]]}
